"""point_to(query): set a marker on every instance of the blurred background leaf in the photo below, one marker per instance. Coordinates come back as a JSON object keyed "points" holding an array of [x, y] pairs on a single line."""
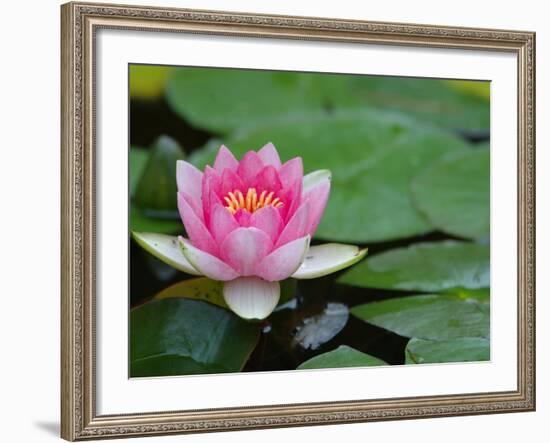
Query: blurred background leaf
{"points": [[178, 336], [157, 189], [138, 160], [153, 181], [147, 82]]}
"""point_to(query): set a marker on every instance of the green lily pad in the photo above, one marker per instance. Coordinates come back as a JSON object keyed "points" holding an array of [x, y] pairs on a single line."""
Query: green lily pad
{"points": [[482, 295], [427, 267], [432, 317], [444, 351], [342, 357], [372, 155], [222, 100], [453, 104], [178, 336], [454, 194]]}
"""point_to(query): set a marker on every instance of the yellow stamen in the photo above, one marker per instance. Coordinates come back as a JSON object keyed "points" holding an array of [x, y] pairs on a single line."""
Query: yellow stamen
{"points": [[250, 202]]}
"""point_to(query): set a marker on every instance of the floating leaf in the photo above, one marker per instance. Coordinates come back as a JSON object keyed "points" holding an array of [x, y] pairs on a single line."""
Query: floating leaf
{"points": [[453, 193], [157, 189], [342, 357], [427, 267], [433, 317], [447, 103], [178, 336], [482, 295], [222, 100], [454, 350], [372, 155], [323, 327]]}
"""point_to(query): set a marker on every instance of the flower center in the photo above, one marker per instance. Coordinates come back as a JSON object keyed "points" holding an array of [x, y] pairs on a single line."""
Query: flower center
{"points": [[251, 201]]}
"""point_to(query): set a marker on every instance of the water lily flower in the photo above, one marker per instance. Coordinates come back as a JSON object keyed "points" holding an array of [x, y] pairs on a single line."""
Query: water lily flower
{"points": [[249, 224]]}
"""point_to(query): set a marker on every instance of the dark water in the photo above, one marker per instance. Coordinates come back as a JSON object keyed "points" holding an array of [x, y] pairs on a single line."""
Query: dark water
{"points": [[279, 347]]}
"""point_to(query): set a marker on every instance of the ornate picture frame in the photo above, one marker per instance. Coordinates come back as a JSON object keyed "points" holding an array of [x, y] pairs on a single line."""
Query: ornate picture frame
{"points": [[80, 22]]}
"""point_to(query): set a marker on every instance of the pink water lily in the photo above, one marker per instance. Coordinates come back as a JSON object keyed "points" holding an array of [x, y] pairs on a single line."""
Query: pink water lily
{"points": [[249, 224]]}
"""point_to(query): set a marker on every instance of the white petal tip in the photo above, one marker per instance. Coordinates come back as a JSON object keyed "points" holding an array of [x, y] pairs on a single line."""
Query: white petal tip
{"points": [[251, 297], [328, 258]]}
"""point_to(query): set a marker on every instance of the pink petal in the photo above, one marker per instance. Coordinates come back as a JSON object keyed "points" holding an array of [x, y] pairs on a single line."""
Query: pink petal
{"points": [[270, 156], [221, 223], [268, 220], [208, 265], [291, 171], [283, 261], [211, 183], [225, 160], [292, 198], [197, 231], [268, 180], [296, 227], [242, 216], [197, 207], [251, 297], [231, 182], [317, 198], [189, 179], [249, 167], [244, 248]]}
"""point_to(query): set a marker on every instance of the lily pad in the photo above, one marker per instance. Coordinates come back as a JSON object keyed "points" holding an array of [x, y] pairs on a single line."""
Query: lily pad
{"points": [[342, 357], [373, 155], [459, 105], [222, 100], [427, 267], [432, 317], [178, 336], [454, 194], [444, 351]]}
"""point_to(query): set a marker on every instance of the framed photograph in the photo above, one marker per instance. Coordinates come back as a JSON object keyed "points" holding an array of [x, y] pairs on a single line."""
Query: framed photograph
{"points": [[282, 221]]}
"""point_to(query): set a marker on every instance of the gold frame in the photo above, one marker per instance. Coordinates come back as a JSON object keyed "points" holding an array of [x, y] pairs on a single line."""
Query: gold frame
{"points": [[79, 24]]}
